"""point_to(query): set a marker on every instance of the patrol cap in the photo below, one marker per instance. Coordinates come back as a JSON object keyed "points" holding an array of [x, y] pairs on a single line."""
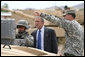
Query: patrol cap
{"points": [[69, 12]]}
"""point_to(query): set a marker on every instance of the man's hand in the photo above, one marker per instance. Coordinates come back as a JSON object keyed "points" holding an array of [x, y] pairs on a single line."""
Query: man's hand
{"points": [[37, 13]]}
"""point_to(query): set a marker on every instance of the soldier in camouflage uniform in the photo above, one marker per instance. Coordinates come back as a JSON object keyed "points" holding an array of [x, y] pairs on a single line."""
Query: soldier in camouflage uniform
{"points": [[74, 32], [23, 38]]}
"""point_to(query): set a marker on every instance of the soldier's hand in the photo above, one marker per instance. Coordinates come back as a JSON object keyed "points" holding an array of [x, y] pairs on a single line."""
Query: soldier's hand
{"points": [[37, 13]]}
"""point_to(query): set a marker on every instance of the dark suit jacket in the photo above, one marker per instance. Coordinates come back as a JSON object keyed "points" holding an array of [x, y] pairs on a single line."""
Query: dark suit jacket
{"points": [[50, 40]]}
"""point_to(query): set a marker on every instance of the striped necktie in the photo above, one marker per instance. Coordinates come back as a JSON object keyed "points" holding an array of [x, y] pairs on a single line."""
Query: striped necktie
{"points": [[39, 40]]}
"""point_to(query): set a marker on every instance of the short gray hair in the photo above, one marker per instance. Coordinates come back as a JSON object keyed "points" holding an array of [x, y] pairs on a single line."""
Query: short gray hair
{"points": [[42, 19]]}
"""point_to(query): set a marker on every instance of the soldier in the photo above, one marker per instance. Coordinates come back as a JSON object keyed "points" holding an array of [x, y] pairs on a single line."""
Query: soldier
{"points": [[24, 38], [74, 32], [66, 8]]}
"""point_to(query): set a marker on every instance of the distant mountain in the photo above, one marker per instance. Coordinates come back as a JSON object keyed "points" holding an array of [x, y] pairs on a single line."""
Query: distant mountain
{"points": [[53, 7], [30, 9], [79, 6]]}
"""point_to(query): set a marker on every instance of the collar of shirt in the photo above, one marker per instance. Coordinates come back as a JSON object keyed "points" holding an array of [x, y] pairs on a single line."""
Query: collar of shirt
{"points": [[42, 29]]}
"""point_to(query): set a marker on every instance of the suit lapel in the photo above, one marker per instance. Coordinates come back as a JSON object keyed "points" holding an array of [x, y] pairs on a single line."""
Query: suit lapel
{"points": [[45, 32], [45, 37], [35, 38]]}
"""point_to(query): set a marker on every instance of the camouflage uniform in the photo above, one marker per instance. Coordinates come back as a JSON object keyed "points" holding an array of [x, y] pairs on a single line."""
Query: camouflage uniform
{"points": [[23, 38], [74, 34]]}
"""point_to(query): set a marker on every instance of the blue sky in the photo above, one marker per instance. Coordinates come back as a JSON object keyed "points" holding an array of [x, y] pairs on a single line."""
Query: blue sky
{"points": [[38, 4]]}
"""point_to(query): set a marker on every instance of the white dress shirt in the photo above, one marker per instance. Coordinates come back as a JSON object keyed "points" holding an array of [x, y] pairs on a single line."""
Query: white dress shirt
{"points": [[42, 38]]}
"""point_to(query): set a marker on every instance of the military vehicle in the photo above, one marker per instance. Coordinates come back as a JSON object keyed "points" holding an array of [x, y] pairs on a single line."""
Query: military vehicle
{"points": [[8, 32], [10, 46]]}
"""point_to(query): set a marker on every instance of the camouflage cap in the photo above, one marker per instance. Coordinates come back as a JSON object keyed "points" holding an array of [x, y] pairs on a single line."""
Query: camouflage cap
{"points": [[69, 12]]}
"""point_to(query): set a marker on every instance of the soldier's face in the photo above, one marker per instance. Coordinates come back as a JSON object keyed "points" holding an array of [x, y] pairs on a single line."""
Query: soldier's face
{"points": [[21, 29], [68, 17], [38, 23]]}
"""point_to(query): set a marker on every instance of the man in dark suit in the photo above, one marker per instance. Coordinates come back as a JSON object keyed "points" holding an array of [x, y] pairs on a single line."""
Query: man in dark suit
{"points": [[44, 38]]}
